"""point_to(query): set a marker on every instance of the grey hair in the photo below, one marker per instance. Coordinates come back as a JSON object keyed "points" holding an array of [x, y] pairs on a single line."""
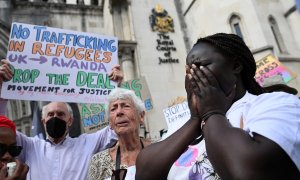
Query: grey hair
{"points": [[120, 93], [44, 109]]}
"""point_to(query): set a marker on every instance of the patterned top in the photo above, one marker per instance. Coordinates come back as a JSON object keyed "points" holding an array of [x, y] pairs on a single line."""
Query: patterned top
{"points": [[193, 164], [101, 166]]}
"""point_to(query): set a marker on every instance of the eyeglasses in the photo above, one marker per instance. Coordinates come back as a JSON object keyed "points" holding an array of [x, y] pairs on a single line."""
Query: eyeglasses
{"points": [[12, 150], [119, 174]]}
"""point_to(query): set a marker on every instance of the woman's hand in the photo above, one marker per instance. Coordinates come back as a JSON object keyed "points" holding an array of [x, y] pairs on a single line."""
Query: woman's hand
{"points": [[207, 95]]}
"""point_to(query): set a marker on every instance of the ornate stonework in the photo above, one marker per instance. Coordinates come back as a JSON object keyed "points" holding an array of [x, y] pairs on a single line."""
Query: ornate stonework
{"points": [[160, 20]]}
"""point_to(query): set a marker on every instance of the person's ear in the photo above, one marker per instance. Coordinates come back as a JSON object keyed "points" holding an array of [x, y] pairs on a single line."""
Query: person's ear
{"points": [[238, 67], [142, 115], [70, 122], [43, 121]]}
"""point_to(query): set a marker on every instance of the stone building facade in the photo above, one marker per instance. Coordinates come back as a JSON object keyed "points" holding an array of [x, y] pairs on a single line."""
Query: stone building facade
{"points": [[155, 36]]}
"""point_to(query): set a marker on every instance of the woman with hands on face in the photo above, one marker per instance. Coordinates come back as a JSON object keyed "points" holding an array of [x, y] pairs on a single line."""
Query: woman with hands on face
{"points": [[248, 134]]}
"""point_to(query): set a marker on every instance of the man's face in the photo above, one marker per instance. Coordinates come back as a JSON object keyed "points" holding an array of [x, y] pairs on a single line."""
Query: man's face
{"points": [[124, 117], [206, 55], [57, 109], [8, 138]]}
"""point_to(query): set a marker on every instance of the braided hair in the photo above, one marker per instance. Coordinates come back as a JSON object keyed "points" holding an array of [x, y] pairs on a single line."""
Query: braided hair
{"points": [[232, 46]]}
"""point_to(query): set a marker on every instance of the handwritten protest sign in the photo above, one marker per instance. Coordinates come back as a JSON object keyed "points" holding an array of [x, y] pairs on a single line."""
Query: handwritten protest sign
{"points": [[92, 117], [176, 116], [53, 64], [140, 87], [270, 66]]}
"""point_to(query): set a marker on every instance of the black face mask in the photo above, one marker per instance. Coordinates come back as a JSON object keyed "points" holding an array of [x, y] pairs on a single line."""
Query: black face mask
{"points": [[56, 127]]}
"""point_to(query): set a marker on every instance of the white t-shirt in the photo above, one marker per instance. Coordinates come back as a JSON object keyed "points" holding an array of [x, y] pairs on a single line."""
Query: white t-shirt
{"points": [[275, 116]]}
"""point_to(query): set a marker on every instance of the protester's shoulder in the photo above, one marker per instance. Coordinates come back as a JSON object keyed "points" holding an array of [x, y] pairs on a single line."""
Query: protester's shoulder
{"points": [[277, 98], [100, 155]]}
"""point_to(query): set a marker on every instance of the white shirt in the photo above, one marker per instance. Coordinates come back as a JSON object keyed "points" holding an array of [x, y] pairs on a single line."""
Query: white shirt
{"points": [[275, 116], [67, 160]]}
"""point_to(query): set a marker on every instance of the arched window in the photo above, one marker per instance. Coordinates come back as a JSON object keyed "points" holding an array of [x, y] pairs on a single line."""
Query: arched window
{"points": [[236, 25], [277, 35]]}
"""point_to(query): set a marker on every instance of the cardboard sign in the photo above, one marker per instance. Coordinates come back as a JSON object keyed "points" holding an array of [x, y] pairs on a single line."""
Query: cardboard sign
{"points": [[92, 117], [140, 87], [270, 66], [176, 116], [53, 64]]}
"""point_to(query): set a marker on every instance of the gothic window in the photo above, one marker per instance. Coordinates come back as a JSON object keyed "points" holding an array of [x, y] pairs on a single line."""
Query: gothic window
{"points": [[236, 25], [277, 35]]}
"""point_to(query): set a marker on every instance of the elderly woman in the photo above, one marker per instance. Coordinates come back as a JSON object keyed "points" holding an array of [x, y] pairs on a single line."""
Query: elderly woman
{"points": [[126, 112]]}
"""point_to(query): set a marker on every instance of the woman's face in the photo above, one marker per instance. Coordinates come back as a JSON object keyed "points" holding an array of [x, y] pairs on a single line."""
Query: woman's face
{"points": [[8, 138], [124, 117], [204, 54]]}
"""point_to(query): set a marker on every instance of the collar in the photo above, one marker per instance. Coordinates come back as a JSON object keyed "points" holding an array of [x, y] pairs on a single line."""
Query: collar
{"points": [[61, 142], [246, 98]]}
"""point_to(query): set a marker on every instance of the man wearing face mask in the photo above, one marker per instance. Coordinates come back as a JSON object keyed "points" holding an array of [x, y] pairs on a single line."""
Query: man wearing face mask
{"points": [[60, 157]]}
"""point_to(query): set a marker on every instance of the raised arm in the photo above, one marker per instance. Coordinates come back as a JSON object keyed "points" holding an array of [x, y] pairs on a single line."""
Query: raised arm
{"points": [[6, 74]]}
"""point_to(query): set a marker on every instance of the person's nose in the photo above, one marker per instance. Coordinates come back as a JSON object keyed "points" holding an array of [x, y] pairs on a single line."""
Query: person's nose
{"points": [[120, 111]]}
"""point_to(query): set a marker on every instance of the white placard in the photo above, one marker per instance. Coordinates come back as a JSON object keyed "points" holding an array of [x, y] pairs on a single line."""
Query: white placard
{"points": [[52, 64]]}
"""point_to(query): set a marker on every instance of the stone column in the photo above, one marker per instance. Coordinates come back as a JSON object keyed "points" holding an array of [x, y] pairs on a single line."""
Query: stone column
{"points": [[127, 62]]}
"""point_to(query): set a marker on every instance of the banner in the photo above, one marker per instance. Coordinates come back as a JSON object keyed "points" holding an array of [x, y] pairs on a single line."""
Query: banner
{"points": [[140, 87], [270, 66], [53, 64]]}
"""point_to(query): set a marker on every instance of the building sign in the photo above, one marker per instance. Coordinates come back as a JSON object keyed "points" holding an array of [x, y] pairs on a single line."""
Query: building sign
{"points": [[166, 45], [270, 66], [52, 64], [162, 23]]}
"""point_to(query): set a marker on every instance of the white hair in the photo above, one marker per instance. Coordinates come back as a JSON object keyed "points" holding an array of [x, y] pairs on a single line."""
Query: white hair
{"points": [[120, 93], [45, 109]]}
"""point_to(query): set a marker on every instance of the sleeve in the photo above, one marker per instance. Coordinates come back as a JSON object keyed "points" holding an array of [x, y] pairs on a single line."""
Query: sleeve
{"points": [[277, 118], [101, 139], [26, 143]]}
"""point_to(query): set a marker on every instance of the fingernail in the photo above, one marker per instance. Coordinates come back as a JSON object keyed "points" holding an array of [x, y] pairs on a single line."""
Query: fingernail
{"points": [[192, 71], [194, 66], [201, 67]]}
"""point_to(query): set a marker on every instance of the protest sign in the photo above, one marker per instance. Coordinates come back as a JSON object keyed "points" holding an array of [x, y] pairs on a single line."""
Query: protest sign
{"points": [[140, 87], [92, 117], [52, 64], [270, 66], [176, 116]]}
